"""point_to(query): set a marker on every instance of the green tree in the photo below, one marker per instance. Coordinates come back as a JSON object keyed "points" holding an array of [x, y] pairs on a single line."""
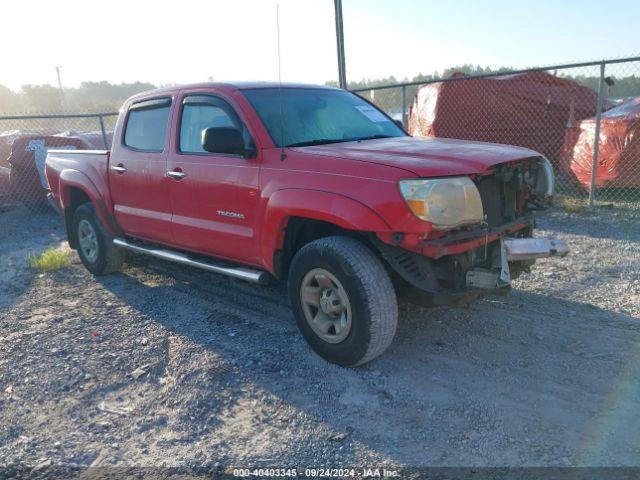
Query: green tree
{"points": [[9, 101], [41, 98], [89, 97]]}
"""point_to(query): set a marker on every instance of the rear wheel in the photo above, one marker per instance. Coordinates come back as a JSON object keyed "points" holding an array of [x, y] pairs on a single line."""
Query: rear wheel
{"points": [[95, 247], [343, 300]]}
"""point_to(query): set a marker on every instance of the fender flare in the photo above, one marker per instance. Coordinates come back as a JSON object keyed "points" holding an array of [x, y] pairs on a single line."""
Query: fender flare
{"points": [[70, 178], [335, 208]]}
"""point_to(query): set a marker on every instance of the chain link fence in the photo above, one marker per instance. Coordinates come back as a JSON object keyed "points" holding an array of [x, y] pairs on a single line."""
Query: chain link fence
{"points": [[585, 118], [24, 142]]}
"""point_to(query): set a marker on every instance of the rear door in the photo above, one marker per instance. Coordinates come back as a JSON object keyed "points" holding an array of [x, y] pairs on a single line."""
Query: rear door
{"points": [[137, 172], [214, 197]]}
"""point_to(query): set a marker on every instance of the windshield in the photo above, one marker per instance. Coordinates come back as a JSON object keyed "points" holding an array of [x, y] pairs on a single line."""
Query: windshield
{"points": [[315, 116]]}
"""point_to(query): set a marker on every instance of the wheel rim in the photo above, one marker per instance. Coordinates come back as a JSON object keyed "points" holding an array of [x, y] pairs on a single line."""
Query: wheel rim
{"points": [[88, 240], [326, 306]]}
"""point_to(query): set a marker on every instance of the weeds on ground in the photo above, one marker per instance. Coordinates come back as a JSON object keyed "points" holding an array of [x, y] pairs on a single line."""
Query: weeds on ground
{"points": [[49, 260], [571, 205]]}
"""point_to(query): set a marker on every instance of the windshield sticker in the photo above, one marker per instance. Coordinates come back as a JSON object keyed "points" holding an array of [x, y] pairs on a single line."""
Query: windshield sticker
{"points": [[371, 113]]}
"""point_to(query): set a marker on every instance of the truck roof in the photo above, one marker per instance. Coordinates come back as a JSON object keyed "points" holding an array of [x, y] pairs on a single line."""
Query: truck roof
{"points": [[228, 86]]}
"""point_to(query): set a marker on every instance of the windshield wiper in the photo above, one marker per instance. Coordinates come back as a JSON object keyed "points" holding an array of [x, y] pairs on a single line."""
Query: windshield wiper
{"points": [[319, 141], [325, 141], [373, 137]]}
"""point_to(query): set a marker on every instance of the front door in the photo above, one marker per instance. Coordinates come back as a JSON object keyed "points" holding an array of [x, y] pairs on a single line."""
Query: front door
{"points": [[213, 197], [137, 172]]}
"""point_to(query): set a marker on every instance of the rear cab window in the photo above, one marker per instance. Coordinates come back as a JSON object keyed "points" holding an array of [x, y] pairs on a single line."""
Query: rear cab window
{"points": [[146, 126]]}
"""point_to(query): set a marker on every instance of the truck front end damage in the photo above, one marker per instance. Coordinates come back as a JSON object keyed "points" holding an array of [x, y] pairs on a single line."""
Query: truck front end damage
{"points": [[513, 254], [457, 264]]}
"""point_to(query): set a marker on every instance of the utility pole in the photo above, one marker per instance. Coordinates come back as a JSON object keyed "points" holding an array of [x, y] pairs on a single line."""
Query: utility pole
{"points": [[58, 67], [342, 74]]}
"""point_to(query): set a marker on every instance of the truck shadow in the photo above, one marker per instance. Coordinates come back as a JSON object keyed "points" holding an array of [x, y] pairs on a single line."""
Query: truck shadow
{"points": [[522, 379]]}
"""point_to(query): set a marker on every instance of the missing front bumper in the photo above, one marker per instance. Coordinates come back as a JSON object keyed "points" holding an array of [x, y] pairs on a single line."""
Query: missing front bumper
{"points": [[513, 250]]}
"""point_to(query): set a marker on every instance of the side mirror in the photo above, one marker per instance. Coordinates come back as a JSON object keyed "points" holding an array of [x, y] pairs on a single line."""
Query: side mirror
{"points": [[223, 140]]}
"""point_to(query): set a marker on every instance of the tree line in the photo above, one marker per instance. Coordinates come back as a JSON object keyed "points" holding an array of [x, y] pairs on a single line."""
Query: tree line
{"points": [[391, 99], [616, 86], [94, 97], [89, 97]]}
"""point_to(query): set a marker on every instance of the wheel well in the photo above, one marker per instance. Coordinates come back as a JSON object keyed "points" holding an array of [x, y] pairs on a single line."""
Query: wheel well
{"points": [[77, 197], [301, 231]]}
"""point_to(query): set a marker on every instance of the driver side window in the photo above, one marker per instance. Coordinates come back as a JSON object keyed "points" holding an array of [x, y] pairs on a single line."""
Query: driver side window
{"points": [[198, 117]]}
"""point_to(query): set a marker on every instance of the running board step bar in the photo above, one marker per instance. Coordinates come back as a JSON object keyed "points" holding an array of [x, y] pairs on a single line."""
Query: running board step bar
{"points": [[243, 273]]}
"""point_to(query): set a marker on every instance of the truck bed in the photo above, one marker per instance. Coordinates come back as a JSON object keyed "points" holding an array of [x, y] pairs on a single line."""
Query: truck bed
{"points": [[81, 167]]}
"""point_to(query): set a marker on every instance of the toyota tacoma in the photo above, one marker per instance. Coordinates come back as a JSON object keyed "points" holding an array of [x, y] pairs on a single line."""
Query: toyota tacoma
{"points": [[312, 186]]}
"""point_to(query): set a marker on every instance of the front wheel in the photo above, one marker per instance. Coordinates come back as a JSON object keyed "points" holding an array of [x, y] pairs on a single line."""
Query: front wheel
{"points": [[343, 300]]}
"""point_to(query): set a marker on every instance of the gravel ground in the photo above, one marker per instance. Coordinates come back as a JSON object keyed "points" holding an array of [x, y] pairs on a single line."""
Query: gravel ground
{"points": [[165, 366]]}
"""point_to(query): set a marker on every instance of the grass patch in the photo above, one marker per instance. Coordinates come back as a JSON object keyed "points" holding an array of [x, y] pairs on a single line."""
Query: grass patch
{"points": [[49, 260], [571, 205]]}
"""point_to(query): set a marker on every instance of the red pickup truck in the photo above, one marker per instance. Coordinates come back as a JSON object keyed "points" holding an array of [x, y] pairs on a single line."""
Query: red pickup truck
{"points": [[312, 185]]}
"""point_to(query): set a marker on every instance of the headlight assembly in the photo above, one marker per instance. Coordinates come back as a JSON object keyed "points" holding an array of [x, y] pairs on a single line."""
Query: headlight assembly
{"points": [[544, 184], [541, 180], [446, 202]]}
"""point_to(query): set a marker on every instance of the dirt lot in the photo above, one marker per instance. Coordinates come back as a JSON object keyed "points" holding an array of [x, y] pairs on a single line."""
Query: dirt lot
{"points": [[161, 365]]}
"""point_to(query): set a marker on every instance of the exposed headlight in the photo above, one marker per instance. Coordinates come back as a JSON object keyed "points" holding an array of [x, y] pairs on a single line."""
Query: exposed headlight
{"points": [[541, 179], [445, 202], [549, 177]]}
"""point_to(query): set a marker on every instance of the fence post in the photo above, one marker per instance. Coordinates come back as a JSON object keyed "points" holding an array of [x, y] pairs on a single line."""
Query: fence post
{"points": [[596, 141], [404, 106], [104, 133]]}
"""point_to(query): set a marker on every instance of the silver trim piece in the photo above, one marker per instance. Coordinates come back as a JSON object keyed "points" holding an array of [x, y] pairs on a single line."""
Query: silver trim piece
{"points": [[77, 152], [176, 175], [243, 273], [118, 169], [505, 273], [532, 248]]}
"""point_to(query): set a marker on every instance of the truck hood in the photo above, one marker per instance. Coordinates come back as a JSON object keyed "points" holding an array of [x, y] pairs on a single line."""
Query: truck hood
{"points": [[426, 157]]}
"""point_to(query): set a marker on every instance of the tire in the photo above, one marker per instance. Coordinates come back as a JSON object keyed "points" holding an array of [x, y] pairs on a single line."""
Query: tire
{"points": [[106, 257], [362, 326]]}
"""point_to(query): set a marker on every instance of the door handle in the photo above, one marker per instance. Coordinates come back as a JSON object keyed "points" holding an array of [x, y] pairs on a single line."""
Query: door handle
{"points": [[176, 175], [120, 168]]}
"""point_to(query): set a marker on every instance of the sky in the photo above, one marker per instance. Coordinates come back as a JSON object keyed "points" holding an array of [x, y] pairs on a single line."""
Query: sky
{"points": [[169, 42]]}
